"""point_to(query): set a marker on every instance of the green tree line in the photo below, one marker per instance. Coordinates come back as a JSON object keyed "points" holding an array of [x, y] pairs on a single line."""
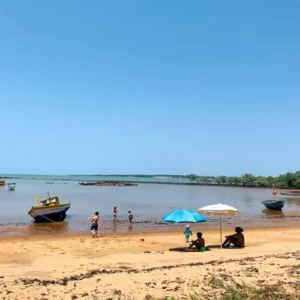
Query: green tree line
{"points": [[284, 181]]}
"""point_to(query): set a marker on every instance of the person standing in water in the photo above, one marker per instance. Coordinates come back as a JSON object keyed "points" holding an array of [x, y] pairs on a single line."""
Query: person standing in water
{"points": [[187, 233], [115, 212], [94, 226], [130, 216], [274, 192]]}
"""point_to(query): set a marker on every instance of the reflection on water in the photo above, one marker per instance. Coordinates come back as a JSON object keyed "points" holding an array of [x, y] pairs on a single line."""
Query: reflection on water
{"points": [[293, 201], [273, 213], [119, 226], [114, 227], [130, 227], [60, 228]]}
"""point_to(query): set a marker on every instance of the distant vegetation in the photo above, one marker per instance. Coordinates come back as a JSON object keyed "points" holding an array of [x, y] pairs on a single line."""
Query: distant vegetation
{"points": [[135, 175], [285, 181]]}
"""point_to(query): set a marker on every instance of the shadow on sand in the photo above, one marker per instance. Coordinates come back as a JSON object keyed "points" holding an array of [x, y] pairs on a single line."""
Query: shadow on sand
{"points": [[208, 248], [183, 249], [219, 246]]}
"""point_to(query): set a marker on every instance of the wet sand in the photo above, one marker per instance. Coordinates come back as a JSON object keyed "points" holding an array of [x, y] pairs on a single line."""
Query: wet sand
{"points": [[79, 267], [69, 227], [269, 218]]}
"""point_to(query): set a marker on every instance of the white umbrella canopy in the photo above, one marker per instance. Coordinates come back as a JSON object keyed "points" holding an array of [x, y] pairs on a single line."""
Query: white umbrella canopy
{"points": [[219, 210]]}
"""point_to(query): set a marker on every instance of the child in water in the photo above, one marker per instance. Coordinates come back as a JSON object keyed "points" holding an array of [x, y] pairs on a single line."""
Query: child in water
{"points": [[130, 216], [115, 212], [187, 233]]}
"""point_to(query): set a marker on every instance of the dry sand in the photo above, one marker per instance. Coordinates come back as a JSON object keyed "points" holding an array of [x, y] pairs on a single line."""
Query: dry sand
{"points": [[79, 267]]}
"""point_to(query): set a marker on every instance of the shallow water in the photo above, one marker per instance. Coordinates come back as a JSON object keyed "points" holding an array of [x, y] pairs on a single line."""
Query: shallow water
{"points": [[148, 202]]}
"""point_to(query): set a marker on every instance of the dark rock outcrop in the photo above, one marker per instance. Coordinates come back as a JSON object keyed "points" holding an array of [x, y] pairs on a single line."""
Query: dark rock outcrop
{"points": [[108, 183]]}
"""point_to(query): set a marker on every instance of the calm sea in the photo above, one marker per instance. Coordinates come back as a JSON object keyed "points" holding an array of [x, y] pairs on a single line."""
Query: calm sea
{"points": [[148, 202]]}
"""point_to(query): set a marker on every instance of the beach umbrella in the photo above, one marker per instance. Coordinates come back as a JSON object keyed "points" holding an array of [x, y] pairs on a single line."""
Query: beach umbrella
{"points": [[219, 210], [183, 216]]}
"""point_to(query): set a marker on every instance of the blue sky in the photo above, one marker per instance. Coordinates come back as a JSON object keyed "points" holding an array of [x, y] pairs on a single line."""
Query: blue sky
{"points": [[177, 87]]}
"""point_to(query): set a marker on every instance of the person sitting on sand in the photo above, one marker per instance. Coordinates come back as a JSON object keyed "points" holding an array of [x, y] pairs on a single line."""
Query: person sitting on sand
{"points": [[236, 239], [199, 242], [94, 227]]}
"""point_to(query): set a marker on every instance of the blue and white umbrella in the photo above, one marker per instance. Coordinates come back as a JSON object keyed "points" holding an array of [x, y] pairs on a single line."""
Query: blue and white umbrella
{"points": [[183, 216]]}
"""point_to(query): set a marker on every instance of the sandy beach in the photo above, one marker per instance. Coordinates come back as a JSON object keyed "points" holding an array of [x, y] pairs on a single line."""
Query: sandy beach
{"points": [[125, 267]]}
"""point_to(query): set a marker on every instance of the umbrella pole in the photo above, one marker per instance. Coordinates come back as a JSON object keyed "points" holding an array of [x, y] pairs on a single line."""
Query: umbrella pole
{"points": [[221, 230]]}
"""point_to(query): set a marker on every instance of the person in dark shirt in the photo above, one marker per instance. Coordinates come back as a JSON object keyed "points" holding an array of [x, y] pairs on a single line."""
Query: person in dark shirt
{"points": [[94, 226], [115, 212], [237, 239], [199, 242], [130, 216]]}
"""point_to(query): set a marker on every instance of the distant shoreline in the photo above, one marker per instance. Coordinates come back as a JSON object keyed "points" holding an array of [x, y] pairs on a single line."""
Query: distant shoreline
{"points": [[152, 182]]}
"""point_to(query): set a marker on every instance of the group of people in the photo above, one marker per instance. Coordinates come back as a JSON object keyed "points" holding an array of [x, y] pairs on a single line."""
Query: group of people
{"points": [[237, 239], [115, 213], [95, 220]]}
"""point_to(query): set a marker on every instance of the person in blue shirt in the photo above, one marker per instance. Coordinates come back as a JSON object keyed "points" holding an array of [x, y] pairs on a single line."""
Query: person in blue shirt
{"points": [[187, 233]]}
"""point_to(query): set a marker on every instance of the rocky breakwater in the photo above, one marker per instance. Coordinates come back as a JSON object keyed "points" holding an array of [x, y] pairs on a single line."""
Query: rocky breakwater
{"points": [[108, 183]]}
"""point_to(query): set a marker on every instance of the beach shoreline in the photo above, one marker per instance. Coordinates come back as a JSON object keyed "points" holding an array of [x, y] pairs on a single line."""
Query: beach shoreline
{"points": [[141, 265], [123, 180], [170, 232], [272, 219]]}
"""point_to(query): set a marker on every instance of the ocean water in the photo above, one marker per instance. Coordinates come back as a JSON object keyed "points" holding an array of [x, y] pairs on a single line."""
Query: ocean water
{"points": [[148, 202]]}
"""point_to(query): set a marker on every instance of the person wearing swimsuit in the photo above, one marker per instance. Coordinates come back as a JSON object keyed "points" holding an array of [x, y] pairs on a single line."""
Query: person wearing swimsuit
{"points": [[187, 233], [130, 216], [94, 226], [237, 239], [199, 243], [115, 212]]}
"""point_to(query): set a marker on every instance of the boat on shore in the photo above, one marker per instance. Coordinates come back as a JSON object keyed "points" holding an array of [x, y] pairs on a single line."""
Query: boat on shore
{"points": [[11, 186], [290, 194], [274, 204], [2, 183], [49, 210]]}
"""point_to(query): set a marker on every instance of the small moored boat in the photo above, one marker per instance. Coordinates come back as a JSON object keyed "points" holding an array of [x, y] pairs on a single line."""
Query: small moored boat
{"points": [[11, 186], [2, 183], [274, 204], [290, 194], [49, 210]]}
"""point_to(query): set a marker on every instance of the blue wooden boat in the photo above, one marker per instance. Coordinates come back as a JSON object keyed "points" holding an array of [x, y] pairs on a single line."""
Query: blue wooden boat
{"points": [[274, 204], [49, 210]]}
